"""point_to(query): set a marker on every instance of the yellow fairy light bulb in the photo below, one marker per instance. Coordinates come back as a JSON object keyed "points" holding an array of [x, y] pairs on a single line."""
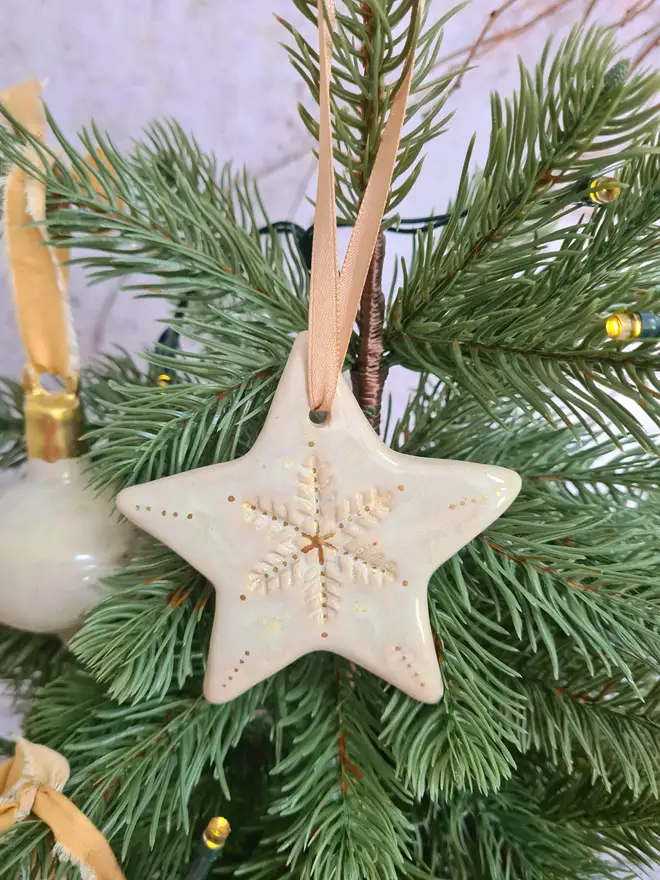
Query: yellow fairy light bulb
{"points": [[216, 833], [604, 190], [627, 326]]}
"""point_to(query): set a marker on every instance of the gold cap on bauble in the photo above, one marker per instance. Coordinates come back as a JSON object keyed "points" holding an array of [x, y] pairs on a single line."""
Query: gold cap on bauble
{"points": [[53, 419]]}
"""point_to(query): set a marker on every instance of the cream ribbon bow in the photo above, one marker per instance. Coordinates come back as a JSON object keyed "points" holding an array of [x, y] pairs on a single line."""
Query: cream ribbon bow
{"points": [[31, 783]]}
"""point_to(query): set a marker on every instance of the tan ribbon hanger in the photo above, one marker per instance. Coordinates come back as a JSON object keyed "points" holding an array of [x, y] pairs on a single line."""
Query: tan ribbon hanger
{"points": [[31, 783], [334, 296], [39, 278]]}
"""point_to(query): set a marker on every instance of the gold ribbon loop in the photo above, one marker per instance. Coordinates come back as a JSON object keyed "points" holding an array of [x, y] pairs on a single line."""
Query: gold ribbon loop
{"points": [[32, 782], [335, 297], [39, 280]]}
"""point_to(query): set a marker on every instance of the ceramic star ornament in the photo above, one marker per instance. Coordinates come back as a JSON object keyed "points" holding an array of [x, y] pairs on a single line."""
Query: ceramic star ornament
{"points": [[321, 538]]}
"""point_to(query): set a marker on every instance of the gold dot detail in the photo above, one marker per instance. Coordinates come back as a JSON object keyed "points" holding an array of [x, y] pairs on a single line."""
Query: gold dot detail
{"points": [[241, 662], [286, 524], [485, 497], [224, 685], [311, 443], [247, 653], [243, 598], [275, 568], [148, 508], [474, 500], [401, 487], [314, 470], [175, 513], [163, 513], [405, 583], [252, 507], [341, 525], [397, 648], [231, 498], [231, 678], [452, 507], [367, 508], [189, 516], [273, 518], [324, 635], [137, 506], [235, 668], [462, 503], [295, 556]]}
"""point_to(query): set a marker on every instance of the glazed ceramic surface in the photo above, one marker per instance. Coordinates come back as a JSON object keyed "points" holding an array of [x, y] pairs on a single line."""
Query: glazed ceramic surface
{"points": [[321, 539], [58, 539]]}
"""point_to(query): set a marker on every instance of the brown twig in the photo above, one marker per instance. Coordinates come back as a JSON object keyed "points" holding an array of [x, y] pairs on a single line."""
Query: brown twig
{"points": [[643, 55], [641, 36], [495, 39], [474, 49], [368, 375], [637, 8], [587, 12]]}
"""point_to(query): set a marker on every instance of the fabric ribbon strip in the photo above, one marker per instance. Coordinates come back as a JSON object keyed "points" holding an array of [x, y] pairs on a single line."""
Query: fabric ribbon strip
{"points": [[39, 278], [31, 783], [335, 296]]}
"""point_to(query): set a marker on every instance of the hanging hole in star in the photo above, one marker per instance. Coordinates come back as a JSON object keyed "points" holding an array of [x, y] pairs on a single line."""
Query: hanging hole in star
{"points": [[319, 418]]}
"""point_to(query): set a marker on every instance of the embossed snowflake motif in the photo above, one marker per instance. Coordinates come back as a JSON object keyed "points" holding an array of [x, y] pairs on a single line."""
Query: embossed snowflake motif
{"points": [[319, 542]]}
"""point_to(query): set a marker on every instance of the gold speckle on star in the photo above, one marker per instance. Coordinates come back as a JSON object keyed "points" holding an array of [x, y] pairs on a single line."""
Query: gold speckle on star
{"points": [[324, 635], [243, 598], [311, 443], [405, 583], [189, 516], [163, 513], [231, 498], [401, 487]]}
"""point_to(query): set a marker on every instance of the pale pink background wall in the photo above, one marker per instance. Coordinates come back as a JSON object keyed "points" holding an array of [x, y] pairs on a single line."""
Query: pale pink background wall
{"points": [[216, 66]]}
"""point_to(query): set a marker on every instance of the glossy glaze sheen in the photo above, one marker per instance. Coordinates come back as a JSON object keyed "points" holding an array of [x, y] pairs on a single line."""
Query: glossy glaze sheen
{"points": [[321, 538], [57, 540]]}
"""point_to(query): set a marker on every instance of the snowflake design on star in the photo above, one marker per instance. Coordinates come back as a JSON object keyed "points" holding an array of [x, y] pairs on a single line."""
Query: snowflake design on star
{"points": [[318, 542]]}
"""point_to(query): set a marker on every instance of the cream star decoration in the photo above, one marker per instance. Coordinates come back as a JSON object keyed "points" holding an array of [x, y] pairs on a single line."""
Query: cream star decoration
{"points": [[321, 538]]}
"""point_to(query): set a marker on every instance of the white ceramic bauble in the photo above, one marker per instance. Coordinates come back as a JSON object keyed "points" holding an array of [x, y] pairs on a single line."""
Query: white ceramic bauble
{"points": [[58, 540]]}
